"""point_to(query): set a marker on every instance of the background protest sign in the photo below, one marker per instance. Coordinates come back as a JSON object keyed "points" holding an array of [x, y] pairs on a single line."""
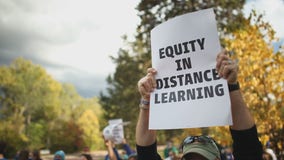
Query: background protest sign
{"points": [[189, 91], [114, 131]]}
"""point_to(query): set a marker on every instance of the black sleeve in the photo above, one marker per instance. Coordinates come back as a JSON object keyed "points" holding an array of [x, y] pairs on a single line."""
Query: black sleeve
{"points": [[246, 144], [148, 152]]}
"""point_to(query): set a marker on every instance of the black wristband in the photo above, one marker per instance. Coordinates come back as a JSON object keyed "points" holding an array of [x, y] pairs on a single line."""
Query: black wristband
{"points": [[233, 87]]}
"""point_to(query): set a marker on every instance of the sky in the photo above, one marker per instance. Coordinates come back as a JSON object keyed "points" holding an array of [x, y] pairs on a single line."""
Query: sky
{"points": [[73, 39], [273, 11]]}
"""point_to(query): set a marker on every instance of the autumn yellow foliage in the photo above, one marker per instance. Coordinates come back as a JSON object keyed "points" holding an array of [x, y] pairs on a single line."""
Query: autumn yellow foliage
{"points": [[260, 75]]}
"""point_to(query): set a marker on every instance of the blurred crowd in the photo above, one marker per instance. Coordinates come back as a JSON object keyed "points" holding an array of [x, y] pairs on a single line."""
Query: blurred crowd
{"points": [[170, 152], [113, 153]]}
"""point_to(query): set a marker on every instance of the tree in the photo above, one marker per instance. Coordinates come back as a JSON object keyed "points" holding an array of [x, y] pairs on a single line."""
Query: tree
{"points": [[122, 98], [228, 15], [28, 91], [261, 77], [36, 111], [66, 135], [89, 124]]}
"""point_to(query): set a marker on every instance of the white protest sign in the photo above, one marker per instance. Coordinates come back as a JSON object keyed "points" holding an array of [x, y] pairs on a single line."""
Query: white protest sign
{"points": [[189, 92], [117, 130]]}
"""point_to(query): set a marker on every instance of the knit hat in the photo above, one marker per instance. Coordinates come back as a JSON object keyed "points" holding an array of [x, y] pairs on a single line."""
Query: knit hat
{"points": [[59, 153]]}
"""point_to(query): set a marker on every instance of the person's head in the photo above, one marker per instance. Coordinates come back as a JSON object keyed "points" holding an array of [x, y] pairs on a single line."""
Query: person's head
{"points": [[36, 155], [132, 156], [24, 154], [228, 150], [169, 144], [123, 152], [2, 147], [86, 157], [200, 148], [59, 155], [172, 154]]}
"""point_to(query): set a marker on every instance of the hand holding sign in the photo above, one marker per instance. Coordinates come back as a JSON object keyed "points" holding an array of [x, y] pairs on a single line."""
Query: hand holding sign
{"points": [[227, 68], [147, 84]]}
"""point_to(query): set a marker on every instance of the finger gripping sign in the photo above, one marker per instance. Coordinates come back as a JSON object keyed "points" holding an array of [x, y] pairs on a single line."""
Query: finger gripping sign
{"points": [[189, 92]]}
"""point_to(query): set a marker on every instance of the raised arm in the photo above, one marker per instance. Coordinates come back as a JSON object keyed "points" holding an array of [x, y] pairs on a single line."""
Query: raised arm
{"points": [[228, 69], [246, 144], [146, 145], [112, 154], [144, 136], [127, 148]]}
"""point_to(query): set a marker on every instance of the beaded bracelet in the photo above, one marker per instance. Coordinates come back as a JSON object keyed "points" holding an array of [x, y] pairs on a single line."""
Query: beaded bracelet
{"points": [[144, 104]]}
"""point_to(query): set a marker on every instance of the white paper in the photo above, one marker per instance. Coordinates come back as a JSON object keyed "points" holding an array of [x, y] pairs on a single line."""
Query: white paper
{"points": [[186, 46], [118, 133]]}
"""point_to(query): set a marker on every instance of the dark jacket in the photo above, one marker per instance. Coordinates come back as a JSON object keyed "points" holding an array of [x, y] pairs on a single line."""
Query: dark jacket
{"points": [[246, 146]]}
